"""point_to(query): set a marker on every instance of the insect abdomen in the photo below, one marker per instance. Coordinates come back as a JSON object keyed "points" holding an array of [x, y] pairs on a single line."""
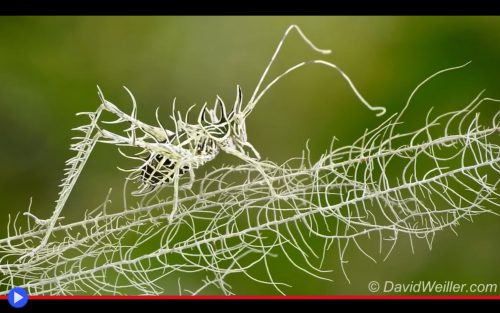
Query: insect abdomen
{"points": [[159, 170]]}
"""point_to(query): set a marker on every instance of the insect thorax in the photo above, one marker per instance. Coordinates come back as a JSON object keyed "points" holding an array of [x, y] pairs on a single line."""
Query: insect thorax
{"points": [[170, 154]]}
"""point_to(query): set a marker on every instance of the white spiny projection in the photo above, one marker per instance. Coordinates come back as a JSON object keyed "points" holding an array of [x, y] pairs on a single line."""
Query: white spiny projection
{"points": [[234, 218]]}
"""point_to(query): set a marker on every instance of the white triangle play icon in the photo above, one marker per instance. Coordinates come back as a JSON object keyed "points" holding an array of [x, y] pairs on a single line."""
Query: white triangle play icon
{"points": [[17, 297]]}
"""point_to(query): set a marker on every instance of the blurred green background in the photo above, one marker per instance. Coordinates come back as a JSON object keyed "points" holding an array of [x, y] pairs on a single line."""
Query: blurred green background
{"points": [[49, 68]]}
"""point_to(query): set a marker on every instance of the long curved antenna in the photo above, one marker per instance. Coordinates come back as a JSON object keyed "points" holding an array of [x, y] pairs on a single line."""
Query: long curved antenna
{"points": [[381, 110], [258, 94], [252, 102]]}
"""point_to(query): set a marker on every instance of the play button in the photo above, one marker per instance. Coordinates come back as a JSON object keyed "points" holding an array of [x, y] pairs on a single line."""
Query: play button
{"points": [[18, 297]]}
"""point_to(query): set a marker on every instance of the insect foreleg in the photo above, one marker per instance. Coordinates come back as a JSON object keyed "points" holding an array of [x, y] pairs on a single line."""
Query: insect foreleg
{"points": [[258, 166], [175, 178], [192, 177], [252, 148]]}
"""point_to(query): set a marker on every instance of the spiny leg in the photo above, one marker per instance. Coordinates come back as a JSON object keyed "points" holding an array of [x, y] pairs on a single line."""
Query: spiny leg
{"points": [[76, 164]]}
